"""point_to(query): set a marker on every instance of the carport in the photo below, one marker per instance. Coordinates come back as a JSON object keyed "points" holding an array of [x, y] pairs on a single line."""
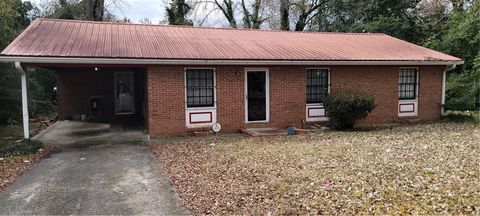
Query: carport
{"points": [[112, 94], [105, 90], [107, 94]]}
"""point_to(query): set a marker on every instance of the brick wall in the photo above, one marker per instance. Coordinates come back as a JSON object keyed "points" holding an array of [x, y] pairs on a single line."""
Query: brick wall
{"points": [[230, 97], [165, 100], [430, 92], [380, 81], [76, 86], [287, 96], [166, 106]]}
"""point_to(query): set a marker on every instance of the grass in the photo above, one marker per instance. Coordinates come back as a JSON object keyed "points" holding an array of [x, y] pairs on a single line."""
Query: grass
{"points": [[462, 116], [22, 147], [417, 169], [12, 132]]}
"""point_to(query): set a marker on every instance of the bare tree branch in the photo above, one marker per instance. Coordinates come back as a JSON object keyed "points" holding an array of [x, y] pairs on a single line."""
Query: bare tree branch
{"points": [[227, 10], [306, 9]]}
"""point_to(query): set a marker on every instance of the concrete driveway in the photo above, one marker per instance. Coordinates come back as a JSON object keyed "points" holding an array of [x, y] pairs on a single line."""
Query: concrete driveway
{"points": [[98, 170]]}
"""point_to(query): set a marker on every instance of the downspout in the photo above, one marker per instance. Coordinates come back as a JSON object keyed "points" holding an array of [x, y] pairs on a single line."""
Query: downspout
{"points": [[444, 77], [23, 79]]}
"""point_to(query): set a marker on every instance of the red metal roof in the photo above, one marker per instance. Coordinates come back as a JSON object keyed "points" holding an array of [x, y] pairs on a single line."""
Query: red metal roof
{"points": [[69, 38]]}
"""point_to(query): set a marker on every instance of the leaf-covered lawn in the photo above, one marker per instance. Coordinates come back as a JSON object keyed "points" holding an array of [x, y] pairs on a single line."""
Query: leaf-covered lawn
{"points": [[11, 167], [419, 169]]}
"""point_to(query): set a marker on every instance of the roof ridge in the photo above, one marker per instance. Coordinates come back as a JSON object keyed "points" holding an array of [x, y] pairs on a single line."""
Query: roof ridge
{"points": [[212, 28]]}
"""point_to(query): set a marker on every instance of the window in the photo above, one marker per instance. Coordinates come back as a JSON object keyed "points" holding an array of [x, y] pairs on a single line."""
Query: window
{"points": [[200, 87], [408, 84], [317, 85]]}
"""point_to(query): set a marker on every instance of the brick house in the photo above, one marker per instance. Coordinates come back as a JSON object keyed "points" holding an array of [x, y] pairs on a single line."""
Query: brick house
{"points": [[176, 79]]}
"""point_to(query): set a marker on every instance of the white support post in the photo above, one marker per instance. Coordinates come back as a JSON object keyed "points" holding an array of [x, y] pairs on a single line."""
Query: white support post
{"points": [[444, 77], [23, 77]]}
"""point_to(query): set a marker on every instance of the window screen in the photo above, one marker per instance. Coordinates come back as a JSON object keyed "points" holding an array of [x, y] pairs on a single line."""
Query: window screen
{"points": [[200, 87], [408, 84], [317, 85]]}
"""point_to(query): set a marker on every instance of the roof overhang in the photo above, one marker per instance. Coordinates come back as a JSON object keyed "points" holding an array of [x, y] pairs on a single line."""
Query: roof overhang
{"points": [[120, 61]]}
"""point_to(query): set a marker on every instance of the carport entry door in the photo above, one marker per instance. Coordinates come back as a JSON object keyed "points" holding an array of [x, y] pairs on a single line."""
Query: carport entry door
{"points": [[124, 93], [256, 95]]}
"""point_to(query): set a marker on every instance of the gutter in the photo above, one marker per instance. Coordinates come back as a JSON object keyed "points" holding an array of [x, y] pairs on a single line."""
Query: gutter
{"points": [[123, 61], [23, 79], [444, 77]]}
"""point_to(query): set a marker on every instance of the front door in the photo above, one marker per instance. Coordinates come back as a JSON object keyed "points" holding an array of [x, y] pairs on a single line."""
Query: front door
{"points": [[256, 95], [124, 93]]}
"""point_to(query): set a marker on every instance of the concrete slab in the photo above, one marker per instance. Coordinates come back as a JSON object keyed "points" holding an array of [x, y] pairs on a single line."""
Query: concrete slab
{"points": [[108, 171], [66, 133], [264, 131]]}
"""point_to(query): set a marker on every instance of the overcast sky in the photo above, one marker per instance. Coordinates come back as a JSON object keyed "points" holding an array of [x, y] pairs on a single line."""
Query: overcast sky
{"points": [[136, 10], [154, 10]]}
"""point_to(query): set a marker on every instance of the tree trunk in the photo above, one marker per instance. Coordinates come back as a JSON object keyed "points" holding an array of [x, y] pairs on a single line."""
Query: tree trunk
{"points": [[95, 9], [98, 10], [252, 20], [305, 11], [284, 15], [255, 17], [301, 23], [227, 11], [180, 13], [246, 16]]}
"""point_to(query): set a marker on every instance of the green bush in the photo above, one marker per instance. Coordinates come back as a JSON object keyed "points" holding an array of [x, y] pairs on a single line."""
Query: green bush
{"points": [[346, 107], [24, 147]]}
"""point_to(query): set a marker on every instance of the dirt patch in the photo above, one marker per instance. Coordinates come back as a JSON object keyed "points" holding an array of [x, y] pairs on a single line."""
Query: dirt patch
{"points": [[12, 167], [416, 169]]}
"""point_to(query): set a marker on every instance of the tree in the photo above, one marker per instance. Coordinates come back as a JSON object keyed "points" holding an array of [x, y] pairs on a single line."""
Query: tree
{"points": [[226, 6], [397, 18], [306, 9], [177, 12], [406, 29], [284, 15], [145, 21], [95, 9], [64, 9], [124, 20], [253, 15], [16, 16], [460, 37], [252, 19]]}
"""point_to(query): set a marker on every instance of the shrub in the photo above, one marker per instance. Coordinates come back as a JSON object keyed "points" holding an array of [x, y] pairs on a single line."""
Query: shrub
{"points": [[21, 148], [346, 107]]}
